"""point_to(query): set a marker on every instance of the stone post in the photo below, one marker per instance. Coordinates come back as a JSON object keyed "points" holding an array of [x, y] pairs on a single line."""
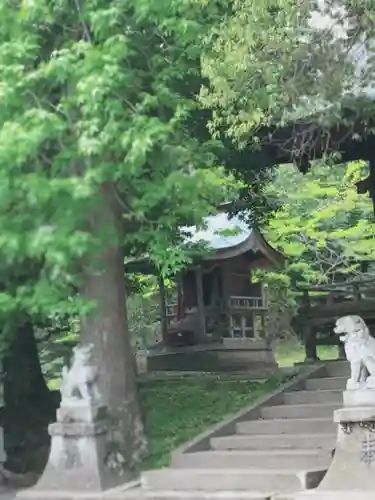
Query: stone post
{"points": [[84, 459], [351, 475]]}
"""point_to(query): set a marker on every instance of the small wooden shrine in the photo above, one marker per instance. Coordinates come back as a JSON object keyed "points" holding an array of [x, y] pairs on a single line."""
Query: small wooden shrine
{"points": [[217, 296], [219, 307]]}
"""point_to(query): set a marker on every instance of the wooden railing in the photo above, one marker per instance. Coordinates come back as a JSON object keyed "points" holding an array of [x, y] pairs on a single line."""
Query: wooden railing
{"points": [[235, 302], [332, 295], [248, 303]]}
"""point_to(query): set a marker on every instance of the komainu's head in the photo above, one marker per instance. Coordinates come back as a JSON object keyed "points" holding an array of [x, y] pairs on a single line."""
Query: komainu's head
{"points": [[83, 354], [353, 326]]}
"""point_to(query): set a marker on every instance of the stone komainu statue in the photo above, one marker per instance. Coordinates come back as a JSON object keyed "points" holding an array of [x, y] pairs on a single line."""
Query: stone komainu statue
{"points": [[359, 349], [79, 383]]}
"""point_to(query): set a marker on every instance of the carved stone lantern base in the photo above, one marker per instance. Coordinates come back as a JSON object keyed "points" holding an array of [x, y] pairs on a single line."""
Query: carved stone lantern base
{"points": [[351, 475], [84, 459]]}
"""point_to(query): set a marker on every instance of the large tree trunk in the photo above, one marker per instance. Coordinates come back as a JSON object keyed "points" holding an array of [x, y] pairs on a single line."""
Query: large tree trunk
{"points": [[29, 405], [106, 327]]}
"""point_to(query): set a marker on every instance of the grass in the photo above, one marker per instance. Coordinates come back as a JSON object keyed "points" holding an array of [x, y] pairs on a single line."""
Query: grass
{"points": [[289, 352], [178, 410]]}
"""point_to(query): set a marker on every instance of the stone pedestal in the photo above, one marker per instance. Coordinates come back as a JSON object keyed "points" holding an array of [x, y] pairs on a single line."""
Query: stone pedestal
{"points": [[232, 355], [85, 459], [351, 475]]}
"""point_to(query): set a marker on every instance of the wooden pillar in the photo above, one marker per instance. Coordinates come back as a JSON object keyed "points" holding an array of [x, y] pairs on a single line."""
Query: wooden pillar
{"points": [[226, 301], [342, 353], [264, 290], [243, 325], [263, 323], [330, 299], [254, 322], [310, 344], [231, 326], [201, 333], [305, 299], [163, 310]]}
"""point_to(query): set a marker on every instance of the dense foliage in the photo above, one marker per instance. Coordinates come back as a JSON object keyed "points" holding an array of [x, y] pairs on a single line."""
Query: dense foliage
{"points": [[92, 94], [270, 62], [323, 226]]}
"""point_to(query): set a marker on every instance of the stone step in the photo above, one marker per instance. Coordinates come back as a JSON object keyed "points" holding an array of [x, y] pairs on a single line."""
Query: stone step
{"points": [[196, 495], [275, 442], [290, 425], [328, 495], [275, 480], [284, 496], [7, 493], [300, 411], [329, 383], [338, 369], [268, 459], [313, 397]]}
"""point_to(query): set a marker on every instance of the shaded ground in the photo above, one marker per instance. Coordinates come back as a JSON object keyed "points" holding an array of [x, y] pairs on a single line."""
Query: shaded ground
{"points": [[178, 410]]}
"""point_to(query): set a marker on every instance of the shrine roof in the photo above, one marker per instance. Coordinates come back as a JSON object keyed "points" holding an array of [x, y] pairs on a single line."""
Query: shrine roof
{"points": [[223, 237]]}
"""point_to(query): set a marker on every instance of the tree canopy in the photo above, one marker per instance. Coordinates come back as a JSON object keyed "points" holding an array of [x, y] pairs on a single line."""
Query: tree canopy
{"points": [[96, 93], [271, 62]]}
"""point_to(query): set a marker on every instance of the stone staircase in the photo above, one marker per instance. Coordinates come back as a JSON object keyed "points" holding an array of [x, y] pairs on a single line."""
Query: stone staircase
{"points": [[284, 451]]}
